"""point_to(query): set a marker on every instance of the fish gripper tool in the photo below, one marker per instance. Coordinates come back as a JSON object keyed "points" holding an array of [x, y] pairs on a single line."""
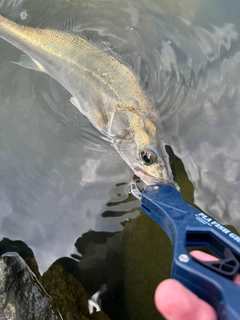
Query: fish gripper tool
{"points": [[188, 227]]}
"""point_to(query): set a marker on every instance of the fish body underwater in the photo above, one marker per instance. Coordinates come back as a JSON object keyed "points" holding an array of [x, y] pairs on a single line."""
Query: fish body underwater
{"points": [[103, 89]]}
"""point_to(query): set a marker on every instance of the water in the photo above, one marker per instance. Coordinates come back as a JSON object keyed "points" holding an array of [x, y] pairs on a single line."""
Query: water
{"points": [[59, 179]]}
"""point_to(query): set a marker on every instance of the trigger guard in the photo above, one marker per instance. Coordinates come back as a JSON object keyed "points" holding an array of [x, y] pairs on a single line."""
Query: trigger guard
{"points": [[228, 267]]}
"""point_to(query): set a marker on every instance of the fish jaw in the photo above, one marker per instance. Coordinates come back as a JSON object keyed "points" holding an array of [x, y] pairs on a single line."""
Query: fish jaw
{"points": [[159, 174]]}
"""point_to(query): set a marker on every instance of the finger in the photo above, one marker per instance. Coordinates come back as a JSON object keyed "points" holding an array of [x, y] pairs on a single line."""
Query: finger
{"points": [[207, 257], [202, 256], [176, 302]]}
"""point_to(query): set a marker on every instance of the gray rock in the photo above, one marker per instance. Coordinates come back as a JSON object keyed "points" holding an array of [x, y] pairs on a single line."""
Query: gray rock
{"points": [[22, 297]]}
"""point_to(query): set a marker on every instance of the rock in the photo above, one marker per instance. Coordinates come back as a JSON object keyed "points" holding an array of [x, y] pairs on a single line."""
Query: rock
{"points": [[20, 247], [22, 297]]}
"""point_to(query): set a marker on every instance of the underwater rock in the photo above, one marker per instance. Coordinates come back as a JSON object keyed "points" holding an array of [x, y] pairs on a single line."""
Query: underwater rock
{"points": [[131, 264], [21, 295], [68, 294], [102, 261], [101, 265], [147, 262]]}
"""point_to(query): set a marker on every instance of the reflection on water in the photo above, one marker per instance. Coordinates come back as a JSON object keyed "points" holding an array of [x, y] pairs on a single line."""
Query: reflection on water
{"points": [[59, 179]]}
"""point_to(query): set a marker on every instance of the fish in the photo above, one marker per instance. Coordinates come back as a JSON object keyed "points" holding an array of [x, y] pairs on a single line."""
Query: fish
{"points": [[102, 88]]}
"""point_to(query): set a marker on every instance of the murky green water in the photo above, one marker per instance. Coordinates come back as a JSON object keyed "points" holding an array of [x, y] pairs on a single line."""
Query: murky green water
{"points": [[59, 179]]}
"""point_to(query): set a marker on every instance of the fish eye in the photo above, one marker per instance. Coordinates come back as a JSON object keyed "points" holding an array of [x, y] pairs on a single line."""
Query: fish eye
{"points": [[148, 156]]}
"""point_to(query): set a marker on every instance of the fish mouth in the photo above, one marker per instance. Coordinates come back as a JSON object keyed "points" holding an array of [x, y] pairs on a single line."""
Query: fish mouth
{"points": [[147, 178], [150, 180]]}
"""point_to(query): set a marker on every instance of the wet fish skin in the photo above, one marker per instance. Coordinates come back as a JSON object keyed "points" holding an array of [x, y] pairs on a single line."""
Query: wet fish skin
{"points": [[103, 89]]}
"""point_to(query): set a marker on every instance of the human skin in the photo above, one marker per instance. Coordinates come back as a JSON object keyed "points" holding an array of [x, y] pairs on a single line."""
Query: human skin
{"points": [[175, 302]]}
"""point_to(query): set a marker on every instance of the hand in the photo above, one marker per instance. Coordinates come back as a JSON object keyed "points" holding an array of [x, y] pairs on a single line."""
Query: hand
{"points": [[175, 302]]}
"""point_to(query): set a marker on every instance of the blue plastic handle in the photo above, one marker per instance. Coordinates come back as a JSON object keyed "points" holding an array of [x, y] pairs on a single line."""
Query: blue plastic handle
{"points": [[187, 227]]}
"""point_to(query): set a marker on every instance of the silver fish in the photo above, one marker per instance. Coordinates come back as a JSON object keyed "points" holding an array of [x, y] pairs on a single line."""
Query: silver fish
{"points": [[102, 88]]}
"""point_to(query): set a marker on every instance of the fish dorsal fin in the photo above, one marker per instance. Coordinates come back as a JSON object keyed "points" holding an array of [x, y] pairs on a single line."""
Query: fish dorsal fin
{"points": [[98, 42], [70, 24], [73, 25]]}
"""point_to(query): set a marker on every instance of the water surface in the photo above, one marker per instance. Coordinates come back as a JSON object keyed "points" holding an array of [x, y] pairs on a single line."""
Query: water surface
{"points": [[59, 178]]}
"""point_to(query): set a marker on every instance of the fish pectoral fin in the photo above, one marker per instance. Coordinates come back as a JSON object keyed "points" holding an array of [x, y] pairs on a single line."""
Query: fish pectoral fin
{"points": [[95, 113], [76, 104], [28, 62]]}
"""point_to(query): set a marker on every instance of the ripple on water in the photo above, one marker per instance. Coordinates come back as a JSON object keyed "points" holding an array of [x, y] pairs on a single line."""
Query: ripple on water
{"points": [[53, 163]]}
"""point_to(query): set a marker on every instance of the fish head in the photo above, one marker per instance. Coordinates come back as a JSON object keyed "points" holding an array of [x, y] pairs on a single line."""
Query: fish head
{"points": [[151, 167], [140, 146], [151, 162]]}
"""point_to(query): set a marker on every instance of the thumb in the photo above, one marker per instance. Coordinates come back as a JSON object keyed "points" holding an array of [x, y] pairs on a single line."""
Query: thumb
{"points": [[175, 302]]}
